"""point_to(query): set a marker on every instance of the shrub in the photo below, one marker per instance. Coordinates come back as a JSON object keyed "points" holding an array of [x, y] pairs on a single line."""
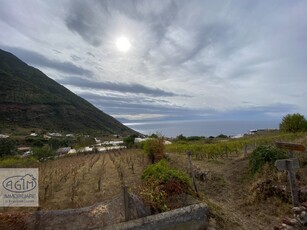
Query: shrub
{"points": [[129, 141], [7, 146], [163, 173], [293, 123], [43, 153], [17, 162], [265, 154], [161, 181], [154, 148]]}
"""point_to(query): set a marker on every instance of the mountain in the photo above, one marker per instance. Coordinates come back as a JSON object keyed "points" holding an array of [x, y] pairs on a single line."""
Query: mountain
{"points": [[30, 99]]}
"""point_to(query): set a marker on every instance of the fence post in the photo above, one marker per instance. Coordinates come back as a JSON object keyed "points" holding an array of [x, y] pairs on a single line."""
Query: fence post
{"points": [[126, 203], [192, 172], [291, 176], [289, 165]]}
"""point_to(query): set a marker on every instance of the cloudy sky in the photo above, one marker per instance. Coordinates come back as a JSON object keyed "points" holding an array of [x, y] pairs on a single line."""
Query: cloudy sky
{"points": [[241, 59]]}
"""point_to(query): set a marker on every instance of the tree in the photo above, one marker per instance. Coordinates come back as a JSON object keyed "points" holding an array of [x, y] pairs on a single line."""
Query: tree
{"points": [[43, 153], [7, 146], [293, 123], [154, 148], [181, 137], [129, 141]]}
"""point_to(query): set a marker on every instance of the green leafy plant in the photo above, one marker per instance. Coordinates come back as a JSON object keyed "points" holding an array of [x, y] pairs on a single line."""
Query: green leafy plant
{"points": [[265, 154], [154, 148], [161, 181], [43, 153], [129, 141], [7, 146], [163, 172], [293, 123]]}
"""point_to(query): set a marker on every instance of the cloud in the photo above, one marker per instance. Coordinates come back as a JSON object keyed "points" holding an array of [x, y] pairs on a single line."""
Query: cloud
{"points": [[132, 105], [140, 116], [237, 60], [116, 86], [92, 21], [37, 59]]}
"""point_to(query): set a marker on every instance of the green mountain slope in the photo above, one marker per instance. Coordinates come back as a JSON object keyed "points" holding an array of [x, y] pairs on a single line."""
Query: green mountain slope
{"points": [[28, 98]]}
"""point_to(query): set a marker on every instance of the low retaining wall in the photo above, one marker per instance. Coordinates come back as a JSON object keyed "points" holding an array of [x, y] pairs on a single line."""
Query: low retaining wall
{"points": [[193, 217], [101, 214]]}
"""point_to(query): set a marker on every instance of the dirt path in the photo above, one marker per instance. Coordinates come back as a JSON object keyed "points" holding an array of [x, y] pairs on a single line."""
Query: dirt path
{"points": [[226, 191]]}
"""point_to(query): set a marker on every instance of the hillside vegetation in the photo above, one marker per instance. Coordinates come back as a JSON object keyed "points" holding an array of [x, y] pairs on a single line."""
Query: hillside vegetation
{"points": [[28, 98]]}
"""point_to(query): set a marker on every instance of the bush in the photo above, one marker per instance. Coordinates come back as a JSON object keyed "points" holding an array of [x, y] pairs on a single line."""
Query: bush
{"points": [[129, 141], [163, 173], [293, 123], [43, 153], [7, 146], [265, 154], [161, 181], [17, 162], [154, 148]]}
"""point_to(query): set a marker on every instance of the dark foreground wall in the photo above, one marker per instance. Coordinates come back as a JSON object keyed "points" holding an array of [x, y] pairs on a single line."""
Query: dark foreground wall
{"points": [[110, 215], [193, 217]]}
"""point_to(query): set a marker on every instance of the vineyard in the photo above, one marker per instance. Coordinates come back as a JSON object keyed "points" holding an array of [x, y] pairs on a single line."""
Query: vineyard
{"points": [[220, 165], [229, 147], [83, 180]]}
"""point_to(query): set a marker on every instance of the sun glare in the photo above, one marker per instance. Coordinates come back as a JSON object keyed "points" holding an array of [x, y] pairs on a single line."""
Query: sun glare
{"points": [[123, 44]]}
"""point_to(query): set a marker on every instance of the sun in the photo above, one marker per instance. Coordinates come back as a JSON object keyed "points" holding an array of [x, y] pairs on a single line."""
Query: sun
{"points": [[123, 44]]}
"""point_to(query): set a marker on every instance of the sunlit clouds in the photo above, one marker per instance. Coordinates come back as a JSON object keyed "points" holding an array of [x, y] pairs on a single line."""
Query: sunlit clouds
{"points": [[168, 60]]}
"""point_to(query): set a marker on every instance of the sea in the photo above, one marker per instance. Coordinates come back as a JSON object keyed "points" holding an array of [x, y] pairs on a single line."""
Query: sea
{"points": [[206, 128]]}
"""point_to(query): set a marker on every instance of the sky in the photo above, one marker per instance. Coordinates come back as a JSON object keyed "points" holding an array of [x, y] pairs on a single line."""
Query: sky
{"points": [[188, 60]]}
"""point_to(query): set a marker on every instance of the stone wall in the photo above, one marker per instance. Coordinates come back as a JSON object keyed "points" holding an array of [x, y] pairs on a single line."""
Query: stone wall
{"points": [[193, 217]]}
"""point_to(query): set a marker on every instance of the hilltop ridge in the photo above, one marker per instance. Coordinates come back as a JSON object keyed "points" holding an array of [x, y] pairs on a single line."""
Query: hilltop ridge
{"points": [[30, 99]]}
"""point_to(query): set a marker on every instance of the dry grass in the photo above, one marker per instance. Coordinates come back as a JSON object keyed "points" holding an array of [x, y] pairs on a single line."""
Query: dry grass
{"points": [[228, 192]]}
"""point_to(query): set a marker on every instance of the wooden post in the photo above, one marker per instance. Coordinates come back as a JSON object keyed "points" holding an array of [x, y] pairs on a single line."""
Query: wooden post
{"points": [[192, 172], [291, 176], [126, 203], [289, 165]]}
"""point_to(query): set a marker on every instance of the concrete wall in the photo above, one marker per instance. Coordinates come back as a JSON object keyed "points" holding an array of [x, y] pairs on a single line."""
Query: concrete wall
{"points": [[110, 215], [100, 214], [193, 217]]}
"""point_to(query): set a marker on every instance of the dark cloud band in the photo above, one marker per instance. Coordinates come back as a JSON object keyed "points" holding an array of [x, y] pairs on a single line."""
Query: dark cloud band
{"points": [[37, 59]]}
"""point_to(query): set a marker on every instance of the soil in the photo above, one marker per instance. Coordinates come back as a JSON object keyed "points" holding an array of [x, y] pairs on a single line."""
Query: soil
{"points": [[227, 191]]}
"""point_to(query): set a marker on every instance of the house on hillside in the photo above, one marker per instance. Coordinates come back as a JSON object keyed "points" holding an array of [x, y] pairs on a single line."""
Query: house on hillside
{"points": [[55, 134], [62, 151], [166, 142], [4, 136], [46, 137], [114, 143], [25, 151], [138, 139]]}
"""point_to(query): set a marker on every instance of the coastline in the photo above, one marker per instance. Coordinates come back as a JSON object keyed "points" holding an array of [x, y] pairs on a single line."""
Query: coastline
{"points": [[201, 127]]}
